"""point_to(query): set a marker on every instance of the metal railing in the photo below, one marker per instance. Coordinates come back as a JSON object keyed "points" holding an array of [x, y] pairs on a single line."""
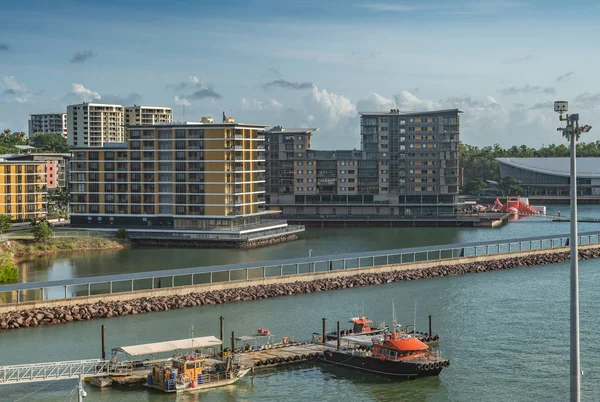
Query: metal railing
{"points": [[111, 284], [53, 371]]}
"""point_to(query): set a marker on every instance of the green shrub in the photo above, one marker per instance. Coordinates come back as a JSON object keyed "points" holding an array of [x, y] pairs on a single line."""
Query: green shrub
{"points": [[122, 234], [8, 269], [42, 231]]}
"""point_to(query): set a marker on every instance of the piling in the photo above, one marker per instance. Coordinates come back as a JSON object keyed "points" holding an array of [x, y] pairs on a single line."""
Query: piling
{"points": [[103, 341], [338, 336], [324, 330], [232, 342], [222, 326], [430, 325]]}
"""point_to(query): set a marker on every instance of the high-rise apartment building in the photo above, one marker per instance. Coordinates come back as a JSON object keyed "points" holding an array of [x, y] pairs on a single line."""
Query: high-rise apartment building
{"points": [[22, 190], [147, 115], [94, 124], [407, 165], [193, 179], [55, 123]]}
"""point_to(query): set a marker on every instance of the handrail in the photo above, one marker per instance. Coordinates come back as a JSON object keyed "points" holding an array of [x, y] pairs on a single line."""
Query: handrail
{"points": [[289, 267]]}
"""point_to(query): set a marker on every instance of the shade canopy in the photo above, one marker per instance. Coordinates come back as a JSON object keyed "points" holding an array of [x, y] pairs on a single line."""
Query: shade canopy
{"points": [[169, 346]]}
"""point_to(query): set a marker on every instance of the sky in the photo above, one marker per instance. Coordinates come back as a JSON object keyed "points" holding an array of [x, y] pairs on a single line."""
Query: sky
{"points": [[309, 63]]}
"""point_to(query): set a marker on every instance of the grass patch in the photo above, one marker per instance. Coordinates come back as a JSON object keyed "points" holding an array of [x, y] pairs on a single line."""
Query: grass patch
{"points": [[25, 247], [8, 268]]}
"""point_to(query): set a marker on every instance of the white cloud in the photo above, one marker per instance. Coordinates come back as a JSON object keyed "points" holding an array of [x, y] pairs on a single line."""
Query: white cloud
{"points": [[14, 90], [257, 105], [407, 101], [84, 94], [329, 106], [181, 101], [375, 103]]}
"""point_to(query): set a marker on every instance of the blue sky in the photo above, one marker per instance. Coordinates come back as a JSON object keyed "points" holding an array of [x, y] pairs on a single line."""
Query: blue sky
{"points": [[309, 63]]}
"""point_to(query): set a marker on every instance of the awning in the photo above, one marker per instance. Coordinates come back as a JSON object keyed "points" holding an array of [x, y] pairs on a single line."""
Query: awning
{"points": [[364, 340], [169, 346]]}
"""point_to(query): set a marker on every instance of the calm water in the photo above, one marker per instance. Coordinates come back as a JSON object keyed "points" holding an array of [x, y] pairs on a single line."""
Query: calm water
{"points": [[506, 333], [323, 241]]}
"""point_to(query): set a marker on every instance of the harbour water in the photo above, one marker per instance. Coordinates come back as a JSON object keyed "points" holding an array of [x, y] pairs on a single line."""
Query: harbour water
{"points": [[323, 241], [505, 332]]}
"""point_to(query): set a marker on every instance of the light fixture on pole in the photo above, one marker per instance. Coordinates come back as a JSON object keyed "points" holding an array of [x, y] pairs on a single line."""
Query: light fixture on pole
{"points": [[572, 132]]}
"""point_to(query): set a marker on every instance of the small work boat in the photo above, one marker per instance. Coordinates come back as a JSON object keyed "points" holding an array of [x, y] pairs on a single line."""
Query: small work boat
{"points": [[360, 326], [191, 373], [392, 354]]}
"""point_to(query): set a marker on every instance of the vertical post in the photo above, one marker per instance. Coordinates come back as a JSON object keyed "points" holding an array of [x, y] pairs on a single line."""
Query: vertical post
{"points": [[222, 332], [232, 342], [103, 335], [65, 292], [324, 330], [80, 391], [430, 325], [338, 336], [575, 368]]}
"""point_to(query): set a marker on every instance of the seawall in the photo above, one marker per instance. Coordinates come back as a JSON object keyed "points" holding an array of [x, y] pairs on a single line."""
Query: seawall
{"points": [[50, 312]]}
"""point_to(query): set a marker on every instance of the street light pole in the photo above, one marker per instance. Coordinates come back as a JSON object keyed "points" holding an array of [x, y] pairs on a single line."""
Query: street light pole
{"points": [[572, 132]]}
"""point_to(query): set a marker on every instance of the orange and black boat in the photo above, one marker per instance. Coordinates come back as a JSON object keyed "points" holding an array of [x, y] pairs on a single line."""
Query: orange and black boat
{"points": [[360, 326], [392, 354]]}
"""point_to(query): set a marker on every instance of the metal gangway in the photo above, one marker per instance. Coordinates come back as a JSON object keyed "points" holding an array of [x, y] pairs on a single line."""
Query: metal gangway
{"points": [[66, 370]]}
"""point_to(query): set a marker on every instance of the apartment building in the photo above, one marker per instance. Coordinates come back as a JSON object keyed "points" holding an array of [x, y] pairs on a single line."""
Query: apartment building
{"points": [[22, 193], [56, 166], [94, 124], [55, 123], [193, 179], [407, 165], [147, 115]]}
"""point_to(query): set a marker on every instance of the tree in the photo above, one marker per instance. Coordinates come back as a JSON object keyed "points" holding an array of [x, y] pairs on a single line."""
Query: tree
{"points": [[122, 234], [5, 223], [475, 186], [58, 202], [42, 231], [50, 142], [510, 186], [8, 269]]}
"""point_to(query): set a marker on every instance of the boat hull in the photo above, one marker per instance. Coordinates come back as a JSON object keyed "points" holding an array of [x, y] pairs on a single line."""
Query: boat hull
{"points": [[398, 369], [204, 386]]}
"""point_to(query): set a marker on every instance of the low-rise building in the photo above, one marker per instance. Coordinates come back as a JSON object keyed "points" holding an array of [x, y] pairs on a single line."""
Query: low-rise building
{"points": [[549, 178], [48, 123]]}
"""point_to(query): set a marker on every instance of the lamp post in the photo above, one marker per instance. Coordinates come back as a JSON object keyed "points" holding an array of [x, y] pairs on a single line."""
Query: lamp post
{"points": [[572, 132]]}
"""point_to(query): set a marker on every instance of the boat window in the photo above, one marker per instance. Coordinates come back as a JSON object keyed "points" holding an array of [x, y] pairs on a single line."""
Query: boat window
{"points": [[189, 366], [197, 364], [394, 353]]}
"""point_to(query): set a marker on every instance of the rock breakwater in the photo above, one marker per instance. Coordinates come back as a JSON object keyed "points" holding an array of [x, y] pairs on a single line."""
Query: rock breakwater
{"points": [[84, 312]]}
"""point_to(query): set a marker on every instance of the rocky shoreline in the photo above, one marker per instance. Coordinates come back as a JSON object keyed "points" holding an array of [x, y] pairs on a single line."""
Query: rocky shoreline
{"points": [[83, 312]]}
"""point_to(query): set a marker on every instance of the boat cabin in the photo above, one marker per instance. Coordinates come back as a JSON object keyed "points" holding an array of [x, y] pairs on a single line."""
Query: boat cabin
{"points": [[396, 346], [361, 324]]}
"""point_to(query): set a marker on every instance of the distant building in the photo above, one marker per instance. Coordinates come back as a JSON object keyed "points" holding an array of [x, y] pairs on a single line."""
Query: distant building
{"points": [[202, 180], [407, 165], [95, 124], [22, 193], [550, 177], [55, 123], [147, 115]]}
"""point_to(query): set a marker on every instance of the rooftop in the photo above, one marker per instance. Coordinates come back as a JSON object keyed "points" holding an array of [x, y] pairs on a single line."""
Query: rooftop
{"points": [[196, 123], [586, 167], [397, 112], [283, 130]]}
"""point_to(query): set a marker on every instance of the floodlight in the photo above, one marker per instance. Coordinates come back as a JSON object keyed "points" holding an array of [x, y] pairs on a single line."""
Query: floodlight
{"points": [[586, 128], [561, 106]]}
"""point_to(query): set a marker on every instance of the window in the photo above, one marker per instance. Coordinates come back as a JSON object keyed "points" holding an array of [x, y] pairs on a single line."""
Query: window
{"points": [[298, 171]]}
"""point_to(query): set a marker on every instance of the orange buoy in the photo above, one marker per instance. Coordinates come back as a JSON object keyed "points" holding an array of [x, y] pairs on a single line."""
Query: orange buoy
{"points": [[382, 357]]}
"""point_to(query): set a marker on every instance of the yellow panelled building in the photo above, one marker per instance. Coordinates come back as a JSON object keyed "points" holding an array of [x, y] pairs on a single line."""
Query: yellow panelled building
{"points": [[22, 190], [191, 177]]}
